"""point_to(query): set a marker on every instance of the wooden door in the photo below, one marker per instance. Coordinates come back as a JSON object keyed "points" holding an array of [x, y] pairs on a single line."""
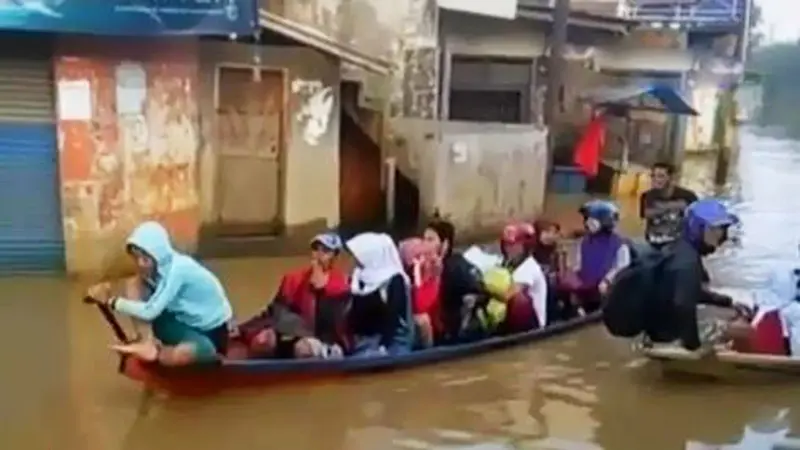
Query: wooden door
{"points": [[250, 124]]}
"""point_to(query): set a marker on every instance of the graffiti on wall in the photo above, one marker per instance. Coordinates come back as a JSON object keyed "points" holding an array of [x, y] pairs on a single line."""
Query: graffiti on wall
{"points": [[316, 109], [134, 157]]}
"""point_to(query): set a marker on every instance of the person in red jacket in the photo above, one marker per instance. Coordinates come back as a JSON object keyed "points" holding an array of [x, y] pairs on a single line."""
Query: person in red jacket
{"points": [[306, 319], [424, 268]]}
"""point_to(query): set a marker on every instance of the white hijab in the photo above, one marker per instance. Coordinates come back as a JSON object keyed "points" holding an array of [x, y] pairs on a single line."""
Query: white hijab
{"points": [[779, 293], [379, 262]]}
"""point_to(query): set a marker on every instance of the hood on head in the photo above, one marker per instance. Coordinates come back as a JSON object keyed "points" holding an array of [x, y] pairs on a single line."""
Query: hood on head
{"points": [[374, 250], [153, 239]]}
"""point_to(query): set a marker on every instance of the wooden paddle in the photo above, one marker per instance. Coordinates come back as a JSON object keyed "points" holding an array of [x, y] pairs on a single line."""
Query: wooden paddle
{"points": [[109, 317], [112, 321]]}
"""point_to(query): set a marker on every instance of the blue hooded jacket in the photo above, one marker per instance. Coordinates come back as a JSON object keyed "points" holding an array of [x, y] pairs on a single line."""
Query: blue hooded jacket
{"points": [[181, 285]]}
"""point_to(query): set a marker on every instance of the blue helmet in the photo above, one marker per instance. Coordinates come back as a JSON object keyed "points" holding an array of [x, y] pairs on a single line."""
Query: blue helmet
{"points": [[329, 240], [704, 214], [603, 211]]}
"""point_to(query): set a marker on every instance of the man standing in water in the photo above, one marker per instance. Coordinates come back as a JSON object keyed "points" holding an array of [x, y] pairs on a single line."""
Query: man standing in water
{"points": [[663, 206]]}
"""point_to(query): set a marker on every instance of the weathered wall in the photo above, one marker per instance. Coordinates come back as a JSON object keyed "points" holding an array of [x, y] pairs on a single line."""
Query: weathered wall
{"points": [[132, 155], [490, 173], [373, 28], [310, 159], [477, 174]]}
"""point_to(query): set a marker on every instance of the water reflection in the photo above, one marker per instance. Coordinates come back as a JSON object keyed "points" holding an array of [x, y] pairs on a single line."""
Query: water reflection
{"points": [[766, 434]]}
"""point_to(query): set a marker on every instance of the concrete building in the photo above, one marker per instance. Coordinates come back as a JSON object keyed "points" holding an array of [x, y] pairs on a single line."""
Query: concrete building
{"points": [[99, 134]]}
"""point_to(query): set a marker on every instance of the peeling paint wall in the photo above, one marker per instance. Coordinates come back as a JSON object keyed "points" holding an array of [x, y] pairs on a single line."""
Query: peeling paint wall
{"points": [[477, 174], [370, 27], [491, 173], [134, 158], [310, 162]]}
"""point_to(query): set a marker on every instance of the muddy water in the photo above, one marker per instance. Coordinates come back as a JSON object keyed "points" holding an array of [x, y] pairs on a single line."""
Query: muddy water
{"points": [[59, 389]]}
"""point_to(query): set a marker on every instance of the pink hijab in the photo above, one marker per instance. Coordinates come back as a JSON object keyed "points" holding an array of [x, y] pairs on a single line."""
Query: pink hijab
{"points": [[421, 259]]}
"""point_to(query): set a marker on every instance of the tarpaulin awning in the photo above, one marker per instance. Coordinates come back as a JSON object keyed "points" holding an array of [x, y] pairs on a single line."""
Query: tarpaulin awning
{"points": [[652, 97]]}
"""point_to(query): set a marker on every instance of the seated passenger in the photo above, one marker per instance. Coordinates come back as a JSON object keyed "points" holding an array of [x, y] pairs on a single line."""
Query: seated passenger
{"points": [[184, 303], [775, 318], [380, 316], [460, 284], [602, 253], [306, 317], [527, 299], [552, 259], [423, 266]]}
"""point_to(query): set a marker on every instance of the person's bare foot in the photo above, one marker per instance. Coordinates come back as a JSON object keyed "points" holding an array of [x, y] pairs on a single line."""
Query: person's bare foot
{"points": [[146, 350]]}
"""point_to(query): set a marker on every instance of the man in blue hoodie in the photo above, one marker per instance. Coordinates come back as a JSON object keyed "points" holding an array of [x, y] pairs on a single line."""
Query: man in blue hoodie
{"points": [[184, 303]]}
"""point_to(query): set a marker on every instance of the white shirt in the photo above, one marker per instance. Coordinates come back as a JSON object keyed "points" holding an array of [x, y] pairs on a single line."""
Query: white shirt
{"points": [[530, 276]]}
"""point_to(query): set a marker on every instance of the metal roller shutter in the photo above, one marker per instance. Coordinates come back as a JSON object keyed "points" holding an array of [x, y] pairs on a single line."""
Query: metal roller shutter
{"points": [[31, 235]]}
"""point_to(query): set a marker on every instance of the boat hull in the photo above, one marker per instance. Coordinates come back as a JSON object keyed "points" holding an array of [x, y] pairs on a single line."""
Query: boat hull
{"points": [[726, 364], [264, 372]]}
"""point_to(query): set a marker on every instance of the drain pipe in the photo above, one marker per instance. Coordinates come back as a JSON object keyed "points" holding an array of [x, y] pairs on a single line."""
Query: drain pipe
{"points": [[389, 181]]}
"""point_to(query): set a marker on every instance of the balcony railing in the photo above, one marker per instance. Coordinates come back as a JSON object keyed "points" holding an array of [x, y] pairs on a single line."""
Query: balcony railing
{"points": [[707, 13], [663, 13]]}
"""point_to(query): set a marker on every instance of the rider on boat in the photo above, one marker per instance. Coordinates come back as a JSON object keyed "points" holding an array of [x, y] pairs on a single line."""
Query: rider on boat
{"points": [[549, 253], [774, 325], [460, 281], [602, 253], [682, 285], [527, 298], [184, 302], [423, 266], [380, 316], [306, 317]]}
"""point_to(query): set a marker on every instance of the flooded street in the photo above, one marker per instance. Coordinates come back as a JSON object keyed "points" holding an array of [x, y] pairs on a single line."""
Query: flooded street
{"points": [[59, 387]]}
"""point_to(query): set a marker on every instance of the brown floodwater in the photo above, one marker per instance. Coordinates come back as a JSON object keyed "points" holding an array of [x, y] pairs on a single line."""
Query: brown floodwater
{"points": [[59, 388]]}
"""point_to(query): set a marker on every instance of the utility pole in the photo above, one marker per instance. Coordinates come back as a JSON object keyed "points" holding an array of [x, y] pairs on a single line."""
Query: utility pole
{"points": [[556, 71]]}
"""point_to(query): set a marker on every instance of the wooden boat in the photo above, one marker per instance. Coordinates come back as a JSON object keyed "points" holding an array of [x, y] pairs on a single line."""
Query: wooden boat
{"points": [[721, 363], [232, 373]]}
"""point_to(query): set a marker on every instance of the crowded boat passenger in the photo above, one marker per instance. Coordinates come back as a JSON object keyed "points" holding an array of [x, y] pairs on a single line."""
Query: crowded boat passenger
{"points": [[306, 318], [402, 297], [602, 253], [423, 266], [183, 302]]}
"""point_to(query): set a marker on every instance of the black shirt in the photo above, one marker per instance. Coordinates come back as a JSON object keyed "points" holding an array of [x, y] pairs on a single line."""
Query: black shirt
{"points": [[664, 213]]}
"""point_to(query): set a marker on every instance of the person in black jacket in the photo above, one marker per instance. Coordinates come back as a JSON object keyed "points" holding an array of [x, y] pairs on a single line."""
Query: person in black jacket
{"points": [[460, 281], [683, 283]]}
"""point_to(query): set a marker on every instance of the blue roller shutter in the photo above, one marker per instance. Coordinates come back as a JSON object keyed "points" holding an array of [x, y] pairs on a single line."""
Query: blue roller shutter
{"points": [[31, 234]]}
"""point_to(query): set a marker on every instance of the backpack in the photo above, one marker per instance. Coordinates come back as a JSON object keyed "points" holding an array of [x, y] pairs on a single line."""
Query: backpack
{"points": [[625, 312]]}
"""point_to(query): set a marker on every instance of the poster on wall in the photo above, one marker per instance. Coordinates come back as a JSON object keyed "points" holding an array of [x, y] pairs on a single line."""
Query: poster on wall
{"points": [[131, 17], [74, 100]]}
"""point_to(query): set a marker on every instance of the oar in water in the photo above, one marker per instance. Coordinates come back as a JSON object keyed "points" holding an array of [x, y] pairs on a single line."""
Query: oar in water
{"points": [[112, 321]]}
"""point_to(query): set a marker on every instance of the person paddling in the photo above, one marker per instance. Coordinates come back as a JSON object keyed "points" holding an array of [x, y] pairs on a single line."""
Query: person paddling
{"points": [[184, 303]]}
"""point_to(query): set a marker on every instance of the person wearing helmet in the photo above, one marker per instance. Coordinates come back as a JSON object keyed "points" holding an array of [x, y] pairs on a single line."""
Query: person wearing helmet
{"points": [[526, 300], [602, 253], [306, 317], [672, 315]]}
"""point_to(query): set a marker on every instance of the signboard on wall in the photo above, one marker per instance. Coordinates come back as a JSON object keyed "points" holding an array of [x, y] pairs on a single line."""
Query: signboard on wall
{"points": [[502, 9], [131, 17]]}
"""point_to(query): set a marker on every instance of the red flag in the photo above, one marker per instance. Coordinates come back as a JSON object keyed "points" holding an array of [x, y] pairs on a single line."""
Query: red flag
{"points": [[587, 152]]}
